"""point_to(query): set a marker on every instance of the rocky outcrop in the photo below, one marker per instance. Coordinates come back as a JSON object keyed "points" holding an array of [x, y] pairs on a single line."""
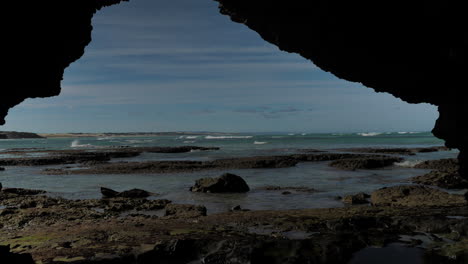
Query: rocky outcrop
{"points": [[415, 51], [226, 183], [40, 48], [364, 163], [443, 179], [411, 196]]}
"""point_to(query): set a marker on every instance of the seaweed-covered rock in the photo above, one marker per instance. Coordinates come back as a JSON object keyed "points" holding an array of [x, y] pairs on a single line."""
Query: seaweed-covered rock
{"points": [[227, 183]]}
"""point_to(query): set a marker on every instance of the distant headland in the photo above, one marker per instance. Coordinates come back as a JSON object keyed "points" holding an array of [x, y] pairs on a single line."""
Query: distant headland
{"points": [[17, 135]]}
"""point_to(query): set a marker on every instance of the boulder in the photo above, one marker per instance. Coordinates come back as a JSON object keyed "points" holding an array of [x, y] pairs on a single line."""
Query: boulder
{"points": [[359, 198], [133, 193], [227, 183], [185, 210], [414, 196]]}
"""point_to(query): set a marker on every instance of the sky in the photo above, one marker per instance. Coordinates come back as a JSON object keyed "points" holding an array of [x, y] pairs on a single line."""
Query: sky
{"points": [[179, 65]]}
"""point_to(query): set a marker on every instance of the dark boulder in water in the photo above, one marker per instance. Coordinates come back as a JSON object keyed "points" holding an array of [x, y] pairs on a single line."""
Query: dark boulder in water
{"points": [[227, 183], [133, 193], [108, 193]]}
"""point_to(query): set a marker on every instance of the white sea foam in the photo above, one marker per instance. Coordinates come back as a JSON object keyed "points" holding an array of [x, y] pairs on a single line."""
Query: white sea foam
{"points": [[76, 144], [304, 134], [408, 163], [191, 137], [227, 137], [260, 142], [370, 134], [291, 134], [105, 138], [402, 133], [189, 141], [136, 141]]}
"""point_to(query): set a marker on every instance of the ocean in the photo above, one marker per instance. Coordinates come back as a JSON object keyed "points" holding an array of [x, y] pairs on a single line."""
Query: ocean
{"points": [[328, 182]]}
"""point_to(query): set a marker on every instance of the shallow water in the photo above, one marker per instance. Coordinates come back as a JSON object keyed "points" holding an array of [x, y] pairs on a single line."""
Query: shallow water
{"points": [[329, 182]]}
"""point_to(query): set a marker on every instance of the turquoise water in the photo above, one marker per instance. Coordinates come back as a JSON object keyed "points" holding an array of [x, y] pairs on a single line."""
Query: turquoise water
{"points": [[328, 182]]}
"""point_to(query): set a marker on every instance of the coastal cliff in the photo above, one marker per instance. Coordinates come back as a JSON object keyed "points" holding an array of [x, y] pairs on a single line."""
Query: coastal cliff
{"points": [[416, 51]]}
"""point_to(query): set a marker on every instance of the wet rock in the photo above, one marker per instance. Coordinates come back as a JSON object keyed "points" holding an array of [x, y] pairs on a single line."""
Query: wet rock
{"points": [[133, 193], [414, 196], [397, 151], [185, 210], [2, 169], [227, 183], [443, 179], [360, 198], [441, 165], [365, 163]]}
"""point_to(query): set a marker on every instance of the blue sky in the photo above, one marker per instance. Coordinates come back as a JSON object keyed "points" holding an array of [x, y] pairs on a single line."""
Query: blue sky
{"points": [[179, 65]]}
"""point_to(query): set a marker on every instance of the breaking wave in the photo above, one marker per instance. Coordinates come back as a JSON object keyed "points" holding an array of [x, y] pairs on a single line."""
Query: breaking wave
{"points": [[371, 134], [260, 143], [76, 144], [227, 137], [408, 163]]}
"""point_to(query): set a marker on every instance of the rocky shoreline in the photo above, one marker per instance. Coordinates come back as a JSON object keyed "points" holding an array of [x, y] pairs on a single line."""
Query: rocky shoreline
{"points": [[135, 226], [56, 230]]}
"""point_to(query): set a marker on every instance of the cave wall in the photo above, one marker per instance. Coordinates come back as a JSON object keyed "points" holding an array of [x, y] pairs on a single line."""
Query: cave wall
{"points": [[41, 39], [414, 50]]}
